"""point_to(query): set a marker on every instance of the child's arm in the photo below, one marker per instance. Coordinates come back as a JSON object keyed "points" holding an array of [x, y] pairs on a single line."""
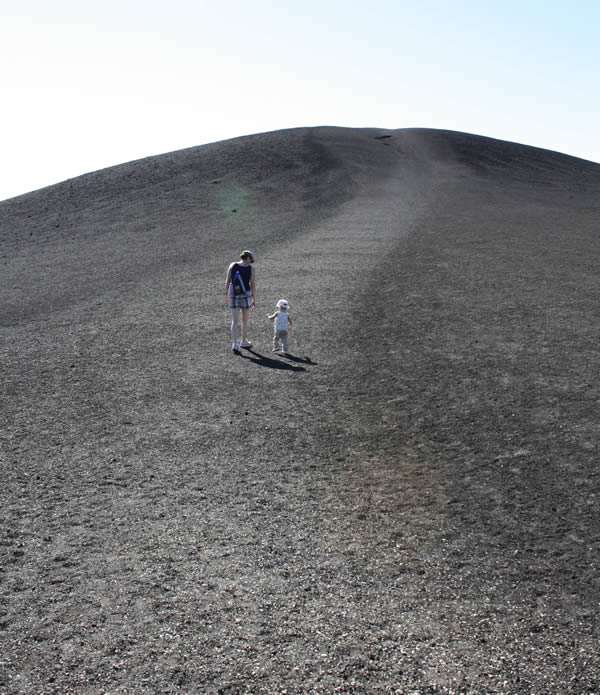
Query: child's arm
{"points": [[272, 316], [290, 321]]}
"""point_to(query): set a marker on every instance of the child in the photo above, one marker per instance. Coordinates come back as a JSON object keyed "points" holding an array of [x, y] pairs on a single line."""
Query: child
{"points": [[280, 329]]}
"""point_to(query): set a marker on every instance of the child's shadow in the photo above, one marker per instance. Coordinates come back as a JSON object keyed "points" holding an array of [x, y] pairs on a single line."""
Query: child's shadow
{"points": [[263, 361]]}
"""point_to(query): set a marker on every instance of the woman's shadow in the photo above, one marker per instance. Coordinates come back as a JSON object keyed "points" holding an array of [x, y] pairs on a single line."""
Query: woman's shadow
{"points": [[273, 363]]}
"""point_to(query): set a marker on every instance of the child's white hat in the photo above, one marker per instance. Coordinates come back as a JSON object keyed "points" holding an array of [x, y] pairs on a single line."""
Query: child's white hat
{"points": [[282, 304]]}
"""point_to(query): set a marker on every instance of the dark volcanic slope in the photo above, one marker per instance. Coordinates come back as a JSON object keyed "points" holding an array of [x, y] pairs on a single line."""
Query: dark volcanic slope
{"points": [[407, 504]]}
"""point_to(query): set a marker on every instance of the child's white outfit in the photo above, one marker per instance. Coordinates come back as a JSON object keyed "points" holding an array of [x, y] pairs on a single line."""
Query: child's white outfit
{"points": [[281, 331]]}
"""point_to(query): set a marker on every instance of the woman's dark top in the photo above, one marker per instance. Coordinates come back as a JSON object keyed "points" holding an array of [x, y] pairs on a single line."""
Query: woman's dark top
{"points": [[245, 271]]}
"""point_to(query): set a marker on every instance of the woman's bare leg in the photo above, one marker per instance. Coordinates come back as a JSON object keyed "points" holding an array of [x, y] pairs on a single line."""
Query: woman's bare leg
{"points": [[244, 324], [235, 324]]}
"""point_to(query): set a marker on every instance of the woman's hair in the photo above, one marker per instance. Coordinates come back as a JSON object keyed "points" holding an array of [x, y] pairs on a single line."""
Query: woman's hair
{"points": [[247, 254]]}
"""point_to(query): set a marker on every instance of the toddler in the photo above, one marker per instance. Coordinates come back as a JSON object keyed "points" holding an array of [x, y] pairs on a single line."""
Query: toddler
{"points": [[282, 320]]}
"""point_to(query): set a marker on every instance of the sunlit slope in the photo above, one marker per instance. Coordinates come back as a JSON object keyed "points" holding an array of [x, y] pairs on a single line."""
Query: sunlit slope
{"points": [[68, 242]]}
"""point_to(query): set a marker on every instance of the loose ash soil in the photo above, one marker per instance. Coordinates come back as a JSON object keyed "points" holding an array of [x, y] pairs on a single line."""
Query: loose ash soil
{"points": [[408, 503]]}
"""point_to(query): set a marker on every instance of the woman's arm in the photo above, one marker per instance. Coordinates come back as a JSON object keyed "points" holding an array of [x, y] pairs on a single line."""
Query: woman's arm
{"points": [[228, 282], [253, 285]]}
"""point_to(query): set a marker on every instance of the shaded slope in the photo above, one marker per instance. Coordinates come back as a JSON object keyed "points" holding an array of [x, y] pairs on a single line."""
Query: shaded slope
{"points": [[507, 161], [410, 503]]}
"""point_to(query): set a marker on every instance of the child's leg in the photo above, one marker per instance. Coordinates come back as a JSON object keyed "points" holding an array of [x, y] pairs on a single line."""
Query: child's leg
{"points": [[284, 337], [275, 340]]}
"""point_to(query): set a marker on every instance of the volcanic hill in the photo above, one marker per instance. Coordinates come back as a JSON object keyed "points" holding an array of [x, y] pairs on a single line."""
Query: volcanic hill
{"points": [[407, 503]]}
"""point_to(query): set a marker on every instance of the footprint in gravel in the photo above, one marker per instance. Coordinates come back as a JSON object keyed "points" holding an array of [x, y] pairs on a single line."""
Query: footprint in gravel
{"points": [[382, 510]]}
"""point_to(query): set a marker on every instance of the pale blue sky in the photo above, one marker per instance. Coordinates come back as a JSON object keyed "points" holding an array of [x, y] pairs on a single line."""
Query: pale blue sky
{"points": [[87, 84]]}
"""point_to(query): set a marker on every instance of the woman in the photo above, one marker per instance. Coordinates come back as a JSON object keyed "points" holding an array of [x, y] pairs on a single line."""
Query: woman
{"points": [[241, 287]]}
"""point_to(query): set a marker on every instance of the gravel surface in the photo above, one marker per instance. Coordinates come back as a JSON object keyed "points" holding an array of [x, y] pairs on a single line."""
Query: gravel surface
{"points": [[408, 503]]}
